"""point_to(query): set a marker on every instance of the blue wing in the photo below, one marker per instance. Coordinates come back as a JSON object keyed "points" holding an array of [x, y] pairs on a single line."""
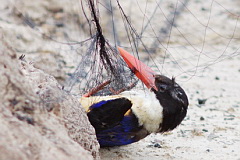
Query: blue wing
{"points": [[114, 122], [125, 132]]}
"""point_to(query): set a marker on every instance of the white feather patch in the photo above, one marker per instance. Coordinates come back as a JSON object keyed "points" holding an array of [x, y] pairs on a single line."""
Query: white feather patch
{"points": [[147, 108]]}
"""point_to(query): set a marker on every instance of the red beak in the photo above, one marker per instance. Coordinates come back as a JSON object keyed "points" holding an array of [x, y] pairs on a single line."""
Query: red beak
{"points": [[142, 71]]}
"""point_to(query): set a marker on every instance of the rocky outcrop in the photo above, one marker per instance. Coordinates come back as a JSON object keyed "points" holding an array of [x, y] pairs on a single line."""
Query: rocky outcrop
{"points": [[38, 119]]}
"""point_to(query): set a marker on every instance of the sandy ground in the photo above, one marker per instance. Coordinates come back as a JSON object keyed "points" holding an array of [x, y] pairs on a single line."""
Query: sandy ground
{"points": [[210, 130], [202, 53]]}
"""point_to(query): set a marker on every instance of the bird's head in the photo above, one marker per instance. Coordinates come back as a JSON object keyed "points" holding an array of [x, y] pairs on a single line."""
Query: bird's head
{"points": [[171, 96], [174, 101]]}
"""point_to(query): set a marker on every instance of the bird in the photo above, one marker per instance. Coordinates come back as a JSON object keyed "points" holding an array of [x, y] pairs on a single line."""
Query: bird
{"points": [[132, 115]]}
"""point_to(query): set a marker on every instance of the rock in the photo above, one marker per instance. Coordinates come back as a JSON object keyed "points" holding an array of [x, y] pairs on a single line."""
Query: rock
{"points": [[157, 145], [202, 101], [38, 119], [228, 119], [202, 118]]}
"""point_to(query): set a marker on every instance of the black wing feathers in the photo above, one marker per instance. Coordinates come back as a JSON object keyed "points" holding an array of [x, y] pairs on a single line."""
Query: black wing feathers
{"points": [[107, 114]]}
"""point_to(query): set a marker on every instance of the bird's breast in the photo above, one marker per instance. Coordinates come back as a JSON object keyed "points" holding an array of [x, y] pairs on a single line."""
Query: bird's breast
{"points": [[147, 109]]}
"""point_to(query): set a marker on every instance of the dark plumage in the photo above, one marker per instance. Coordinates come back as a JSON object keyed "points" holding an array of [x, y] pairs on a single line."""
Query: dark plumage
{"points": [[174, 101]]}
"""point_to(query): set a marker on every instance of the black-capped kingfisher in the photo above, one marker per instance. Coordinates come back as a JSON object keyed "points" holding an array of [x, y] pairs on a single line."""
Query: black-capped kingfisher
{"points": [[132, 115]]}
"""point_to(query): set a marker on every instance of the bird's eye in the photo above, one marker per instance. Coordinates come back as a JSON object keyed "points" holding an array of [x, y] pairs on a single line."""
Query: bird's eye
{"points": [[162, 87]]}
